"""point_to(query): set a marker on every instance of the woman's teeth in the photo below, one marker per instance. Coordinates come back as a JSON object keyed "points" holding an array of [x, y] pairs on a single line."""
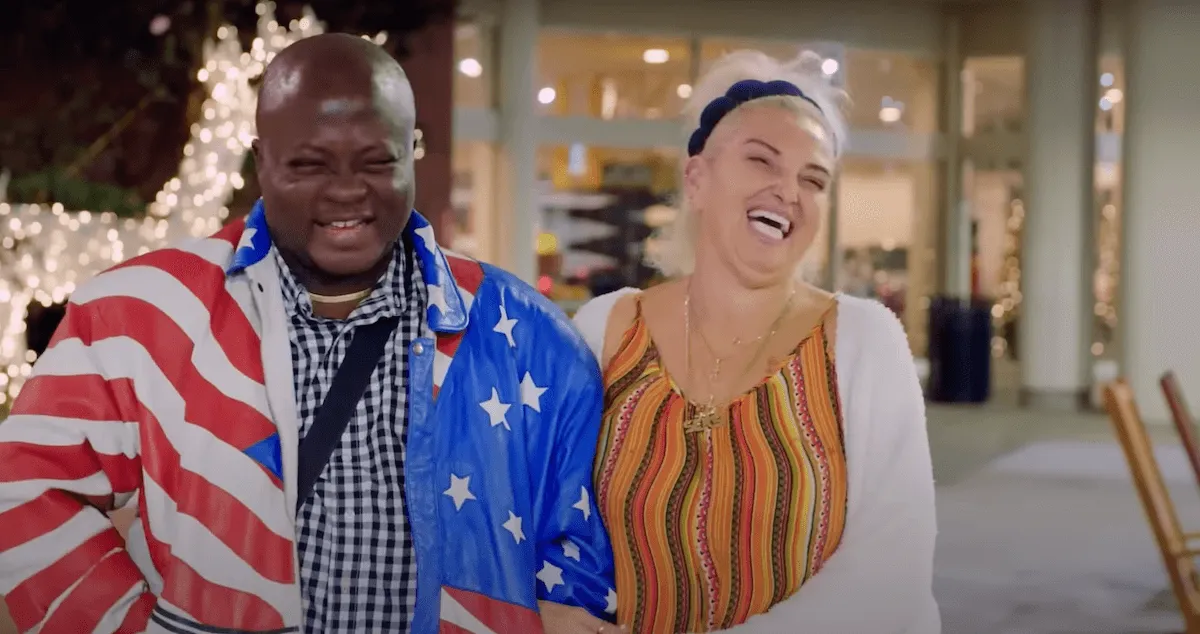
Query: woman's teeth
{"points": [[770, 224]]}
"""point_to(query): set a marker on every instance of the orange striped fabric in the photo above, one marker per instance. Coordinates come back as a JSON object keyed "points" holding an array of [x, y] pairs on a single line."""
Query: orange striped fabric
{"points": [[709, 529]]}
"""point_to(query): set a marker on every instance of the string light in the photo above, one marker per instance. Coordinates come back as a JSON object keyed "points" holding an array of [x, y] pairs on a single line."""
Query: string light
{"points": [[1107, 277], [52, 250], [1008, 303]]}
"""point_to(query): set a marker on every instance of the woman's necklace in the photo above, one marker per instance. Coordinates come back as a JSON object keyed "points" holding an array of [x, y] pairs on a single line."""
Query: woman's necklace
{"points": [[340, 299], [705, 415]]}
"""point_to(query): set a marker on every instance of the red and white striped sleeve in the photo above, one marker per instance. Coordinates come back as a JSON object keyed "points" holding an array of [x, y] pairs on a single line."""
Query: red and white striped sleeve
{"points": [[69, 451]]}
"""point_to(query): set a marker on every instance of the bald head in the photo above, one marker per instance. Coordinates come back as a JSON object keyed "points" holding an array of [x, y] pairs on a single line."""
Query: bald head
{"points": [[335, 145], [336, 74]]}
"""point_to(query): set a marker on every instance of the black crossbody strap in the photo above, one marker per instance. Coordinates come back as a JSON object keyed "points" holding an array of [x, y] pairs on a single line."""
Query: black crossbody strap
{"points": [[349, 384]]}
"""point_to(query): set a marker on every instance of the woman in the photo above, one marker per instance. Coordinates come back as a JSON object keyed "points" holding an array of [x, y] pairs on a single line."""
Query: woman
{"points": [[763, 464]]}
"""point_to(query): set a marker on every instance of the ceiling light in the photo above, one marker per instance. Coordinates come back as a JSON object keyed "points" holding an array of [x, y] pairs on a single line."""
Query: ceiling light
{"points": [[1106, 80], [1114, 95], [470, 67], [830, 67], [546, 96], [655, 56], [889, 114], [1105, 104], [684, 91]]}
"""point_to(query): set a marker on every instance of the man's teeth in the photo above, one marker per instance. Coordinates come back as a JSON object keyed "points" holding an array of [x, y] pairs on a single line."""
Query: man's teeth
{"points": [[345, 224]]}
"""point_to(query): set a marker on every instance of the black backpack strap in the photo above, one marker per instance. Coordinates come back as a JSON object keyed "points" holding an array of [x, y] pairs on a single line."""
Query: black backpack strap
{"points": [[349, 384]]}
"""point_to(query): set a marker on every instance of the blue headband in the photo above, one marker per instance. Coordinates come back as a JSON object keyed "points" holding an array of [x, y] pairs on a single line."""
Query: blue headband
{"points": [[738, 94]]}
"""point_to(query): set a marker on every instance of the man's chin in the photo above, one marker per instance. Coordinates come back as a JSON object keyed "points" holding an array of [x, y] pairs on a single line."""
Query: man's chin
{"points": [[352, 264]]}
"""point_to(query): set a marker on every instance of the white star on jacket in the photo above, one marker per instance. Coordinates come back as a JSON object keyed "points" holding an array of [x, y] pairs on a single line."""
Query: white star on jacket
{"points": [[505, 325], [531, 394], [584, 504], [550, 575], [513, 525], [459, 491], [497, 411]]}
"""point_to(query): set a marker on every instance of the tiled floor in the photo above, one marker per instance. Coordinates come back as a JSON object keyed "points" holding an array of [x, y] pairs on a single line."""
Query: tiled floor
{"points": [[1040, 531]]}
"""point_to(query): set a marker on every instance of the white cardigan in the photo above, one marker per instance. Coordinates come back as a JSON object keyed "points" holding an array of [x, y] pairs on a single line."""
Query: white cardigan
{"points": [[879, 581]]}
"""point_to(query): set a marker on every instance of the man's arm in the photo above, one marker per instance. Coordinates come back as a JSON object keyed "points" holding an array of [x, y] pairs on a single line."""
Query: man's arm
{"points": [[574, 555], [69, 453]]}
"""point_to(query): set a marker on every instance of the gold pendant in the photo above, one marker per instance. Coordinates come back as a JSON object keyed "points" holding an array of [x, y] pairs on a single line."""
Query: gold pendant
{"points": [[705, 418]]}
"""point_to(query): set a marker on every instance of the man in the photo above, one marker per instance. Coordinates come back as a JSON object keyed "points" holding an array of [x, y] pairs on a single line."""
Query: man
{"points": [[449, 491]]}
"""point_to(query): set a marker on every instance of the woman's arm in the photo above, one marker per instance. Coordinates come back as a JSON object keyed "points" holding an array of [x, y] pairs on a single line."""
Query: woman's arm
{"points": [[880, 578]]}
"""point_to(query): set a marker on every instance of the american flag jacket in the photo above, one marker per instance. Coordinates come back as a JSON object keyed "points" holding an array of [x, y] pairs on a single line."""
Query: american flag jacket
{"points": [[169, 385]]}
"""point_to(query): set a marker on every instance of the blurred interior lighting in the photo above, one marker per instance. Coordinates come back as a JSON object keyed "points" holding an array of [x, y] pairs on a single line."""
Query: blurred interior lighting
{"points": [[830, 67], [608, 98], [891, 110], [684, 91], [159, 25], [655, 56], [470, 67], [546, 96]]}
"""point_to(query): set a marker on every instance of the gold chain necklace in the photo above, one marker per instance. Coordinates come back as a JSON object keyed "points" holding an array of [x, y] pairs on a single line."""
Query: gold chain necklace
{"points": [[340, 299], [706, 415]]}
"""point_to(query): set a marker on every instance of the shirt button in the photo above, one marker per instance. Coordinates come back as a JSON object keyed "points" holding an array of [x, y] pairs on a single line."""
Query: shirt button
{"points": [[418, 348]]}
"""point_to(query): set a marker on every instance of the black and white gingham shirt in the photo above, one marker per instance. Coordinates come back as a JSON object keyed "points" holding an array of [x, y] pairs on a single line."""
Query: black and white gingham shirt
{"points": [[357, 563]]}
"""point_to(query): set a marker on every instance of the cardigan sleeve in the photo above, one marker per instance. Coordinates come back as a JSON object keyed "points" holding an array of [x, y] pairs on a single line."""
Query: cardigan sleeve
{"points": [[880, 578], [592, 319]]}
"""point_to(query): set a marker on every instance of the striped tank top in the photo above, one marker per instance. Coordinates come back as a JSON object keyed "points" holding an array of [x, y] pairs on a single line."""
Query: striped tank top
{"points": [[711, 528]]}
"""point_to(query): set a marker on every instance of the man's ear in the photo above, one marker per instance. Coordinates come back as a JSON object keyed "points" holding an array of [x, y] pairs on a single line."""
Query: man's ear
{"points": [[256, 150]]}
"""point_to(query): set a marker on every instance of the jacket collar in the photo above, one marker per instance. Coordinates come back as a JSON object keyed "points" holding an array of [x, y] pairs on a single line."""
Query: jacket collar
{"points": [[446, 310]]}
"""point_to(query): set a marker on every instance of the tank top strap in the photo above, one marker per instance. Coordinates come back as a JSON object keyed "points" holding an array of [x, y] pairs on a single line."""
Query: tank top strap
{"points": [[635, 345]]}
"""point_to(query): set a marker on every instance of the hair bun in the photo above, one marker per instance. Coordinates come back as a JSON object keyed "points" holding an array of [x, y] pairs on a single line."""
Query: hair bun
{"points": [[809, 63]]}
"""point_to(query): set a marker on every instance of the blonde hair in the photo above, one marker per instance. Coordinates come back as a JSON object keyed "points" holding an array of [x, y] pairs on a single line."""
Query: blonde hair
{"points": [[674, 252]]}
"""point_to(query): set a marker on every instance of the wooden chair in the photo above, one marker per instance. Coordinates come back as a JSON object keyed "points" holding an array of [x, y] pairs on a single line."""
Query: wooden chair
{"points": [[1179, 558], [1181, 415]]}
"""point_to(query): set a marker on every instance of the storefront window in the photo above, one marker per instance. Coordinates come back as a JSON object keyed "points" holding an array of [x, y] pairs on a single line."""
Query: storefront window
{"points": [[892, 91], [474, 70], [473, 228], [599, 207], [886, 237], [612, 76], [993, 95]]}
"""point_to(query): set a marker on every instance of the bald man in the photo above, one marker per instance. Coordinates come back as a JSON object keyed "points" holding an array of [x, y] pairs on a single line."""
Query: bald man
{"points": [[325, 422]]}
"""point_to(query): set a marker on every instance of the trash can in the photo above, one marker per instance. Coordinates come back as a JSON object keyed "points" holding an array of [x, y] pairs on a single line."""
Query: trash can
{"points": [[960, 350]]}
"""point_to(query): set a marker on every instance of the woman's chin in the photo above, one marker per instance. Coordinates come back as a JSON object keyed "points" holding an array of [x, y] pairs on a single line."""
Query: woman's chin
{"points": [[764, 268]]}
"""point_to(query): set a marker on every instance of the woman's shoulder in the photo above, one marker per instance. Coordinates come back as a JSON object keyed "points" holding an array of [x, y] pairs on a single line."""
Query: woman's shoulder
{"points": [[868, 325], [592, 318], [861, 317]]}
